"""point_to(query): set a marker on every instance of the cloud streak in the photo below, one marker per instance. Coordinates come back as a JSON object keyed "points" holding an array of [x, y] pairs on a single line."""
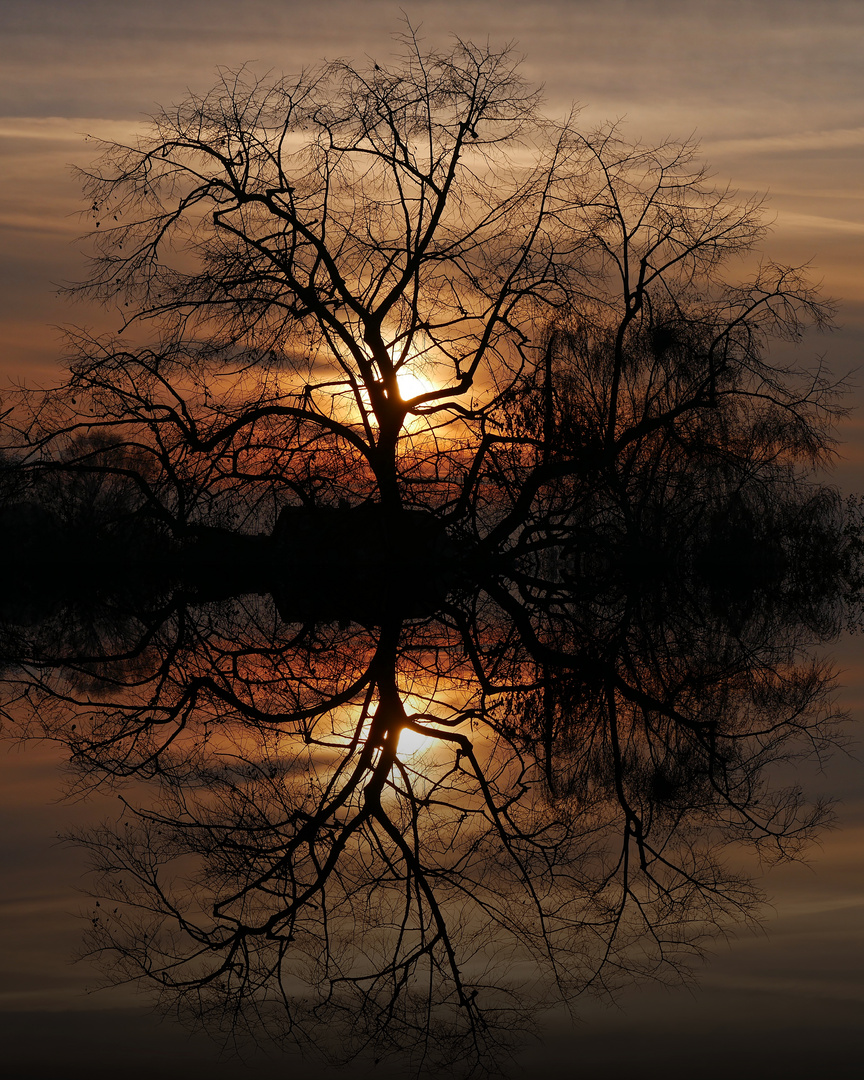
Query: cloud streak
{"points": [[791, 142]]}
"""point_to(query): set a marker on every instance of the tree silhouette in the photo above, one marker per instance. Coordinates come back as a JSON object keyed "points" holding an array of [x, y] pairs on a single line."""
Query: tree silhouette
{"points": [[429, 417], [334, 288]]}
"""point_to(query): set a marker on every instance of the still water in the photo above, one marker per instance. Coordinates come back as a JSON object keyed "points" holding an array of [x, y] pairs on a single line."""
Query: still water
{"points": [[549, 820]]}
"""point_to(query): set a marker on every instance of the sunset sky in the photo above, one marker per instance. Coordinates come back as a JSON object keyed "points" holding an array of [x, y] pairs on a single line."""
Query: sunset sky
{"points": [[773, 89]]}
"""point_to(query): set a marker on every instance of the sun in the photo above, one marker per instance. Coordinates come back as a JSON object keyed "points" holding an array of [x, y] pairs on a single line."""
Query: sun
{"points": [[411, 384], [412, 744]]}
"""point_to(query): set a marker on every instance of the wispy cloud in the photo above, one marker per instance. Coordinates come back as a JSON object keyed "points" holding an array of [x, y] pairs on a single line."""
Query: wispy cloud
{"points": [[64, 128], [794, 141], [792, 219]]}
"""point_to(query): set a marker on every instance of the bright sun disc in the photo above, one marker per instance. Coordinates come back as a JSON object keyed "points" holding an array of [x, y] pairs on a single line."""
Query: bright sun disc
{"points": [[411, 384], [412, 743]]}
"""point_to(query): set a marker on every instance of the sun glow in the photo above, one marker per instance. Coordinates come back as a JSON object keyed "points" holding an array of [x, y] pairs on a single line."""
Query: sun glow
{"points": [[412, 744], [412, 383]]}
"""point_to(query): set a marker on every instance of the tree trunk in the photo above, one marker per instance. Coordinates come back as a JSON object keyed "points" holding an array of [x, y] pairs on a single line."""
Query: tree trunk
{"points": [[385, 463]]}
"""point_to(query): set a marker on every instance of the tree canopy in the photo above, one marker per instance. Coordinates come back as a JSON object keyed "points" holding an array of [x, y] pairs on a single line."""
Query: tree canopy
{"points": [[344, 286]]}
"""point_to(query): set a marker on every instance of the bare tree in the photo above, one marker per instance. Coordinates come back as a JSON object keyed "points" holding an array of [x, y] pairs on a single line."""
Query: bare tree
{"points": [[662, 352], [333, 286], [404, 287], [302, 246]]}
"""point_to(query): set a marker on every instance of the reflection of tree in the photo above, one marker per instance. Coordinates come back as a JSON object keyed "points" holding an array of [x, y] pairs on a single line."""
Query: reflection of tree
{"points": [[597, 743]]}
